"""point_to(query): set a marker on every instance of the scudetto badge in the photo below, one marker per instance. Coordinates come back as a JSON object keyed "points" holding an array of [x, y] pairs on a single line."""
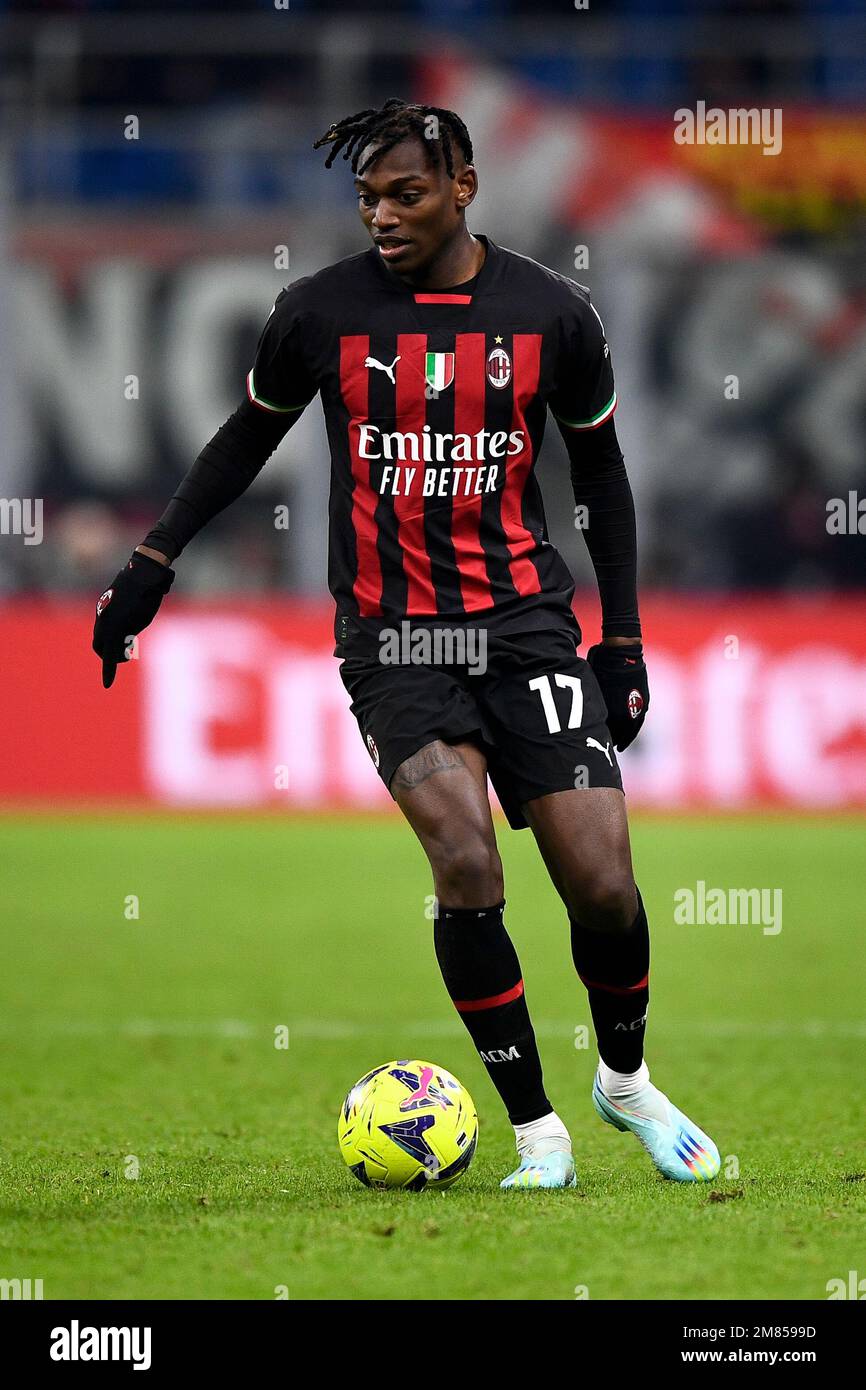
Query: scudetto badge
{"points": [[498, 367]]}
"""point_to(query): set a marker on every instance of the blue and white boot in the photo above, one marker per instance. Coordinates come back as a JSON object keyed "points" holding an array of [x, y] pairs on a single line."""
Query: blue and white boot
{"points": [[544, 1150], [678, 1148]]}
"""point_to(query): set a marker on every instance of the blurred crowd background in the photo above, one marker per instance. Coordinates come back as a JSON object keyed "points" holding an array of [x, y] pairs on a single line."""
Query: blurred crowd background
{"points": [[157, 175]]}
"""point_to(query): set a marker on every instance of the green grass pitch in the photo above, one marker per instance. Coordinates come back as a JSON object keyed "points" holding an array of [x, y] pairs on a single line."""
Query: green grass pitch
{"points": [[147, 1046]]}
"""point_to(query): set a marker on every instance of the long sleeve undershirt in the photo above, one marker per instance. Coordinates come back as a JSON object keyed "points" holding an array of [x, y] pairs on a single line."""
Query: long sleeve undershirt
{"points": [[224, 469], [600, 484]]}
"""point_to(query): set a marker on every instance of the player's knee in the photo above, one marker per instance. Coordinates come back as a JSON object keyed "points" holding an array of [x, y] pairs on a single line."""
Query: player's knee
{"points": [[605, 900], [467, 870]]}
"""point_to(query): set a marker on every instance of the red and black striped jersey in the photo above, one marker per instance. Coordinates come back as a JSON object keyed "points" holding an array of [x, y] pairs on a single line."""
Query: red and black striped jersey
{"points": [[435, 407]]}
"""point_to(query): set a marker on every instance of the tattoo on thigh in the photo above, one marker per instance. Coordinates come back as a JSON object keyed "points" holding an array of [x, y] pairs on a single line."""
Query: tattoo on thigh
{"points": [[435, 757]]}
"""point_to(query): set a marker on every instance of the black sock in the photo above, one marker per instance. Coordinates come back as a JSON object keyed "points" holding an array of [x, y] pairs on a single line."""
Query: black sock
{"points": [[482, 975], [614, 966]]}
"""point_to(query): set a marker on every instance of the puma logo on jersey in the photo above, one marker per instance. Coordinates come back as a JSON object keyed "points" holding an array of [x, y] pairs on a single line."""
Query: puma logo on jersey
{"points": [[602, 748], [389, 371]]}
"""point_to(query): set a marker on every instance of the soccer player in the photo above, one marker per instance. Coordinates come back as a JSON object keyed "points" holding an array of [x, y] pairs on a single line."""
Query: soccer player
{"points": [[438, 355]]}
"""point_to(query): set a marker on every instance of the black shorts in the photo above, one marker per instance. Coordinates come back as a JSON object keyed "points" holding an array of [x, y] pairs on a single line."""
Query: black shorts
{"points": [[536, 711]]}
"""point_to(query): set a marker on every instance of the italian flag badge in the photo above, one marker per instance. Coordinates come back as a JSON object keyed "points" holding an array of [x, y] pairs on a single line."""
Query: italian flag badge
{"points": [[439, 370]]}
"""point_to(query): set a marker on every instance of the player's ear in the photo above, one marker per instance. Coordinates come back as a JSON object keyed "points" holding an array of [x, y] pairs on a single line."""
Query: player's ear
{"points": [[466, 180]]}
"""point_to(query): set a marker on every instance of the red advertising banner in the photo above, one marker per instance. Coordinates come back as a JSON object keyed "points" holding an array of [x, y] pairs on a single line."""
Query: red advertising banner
{"points": [[755, 702]]}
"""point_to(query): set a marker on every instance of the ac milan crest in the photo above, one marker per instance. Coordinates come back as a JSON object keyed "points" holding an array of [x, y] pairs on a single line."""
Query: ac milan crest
{"points": [[635, 703], [103, 601], [373, 750], [498, 367]]}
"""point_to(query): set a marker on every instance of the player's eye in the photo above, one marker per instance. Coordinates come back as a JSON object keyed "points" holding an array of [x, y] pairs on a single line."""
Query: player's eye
{"points": [[368, 199]]}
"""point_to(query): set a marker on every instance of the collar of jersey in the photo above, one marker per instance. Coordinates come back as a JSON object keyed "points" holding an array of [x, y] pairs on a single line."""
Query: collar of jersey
{"points": [[479, 283]]}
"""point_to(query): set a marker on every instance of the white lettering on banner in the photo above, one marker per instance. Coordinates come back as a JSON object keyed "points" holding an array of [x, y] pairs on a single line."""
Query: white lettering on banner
{"points": [[660, 767], [126, 317], [311, 731], [200, 671], [74, 356], [721, 732], [813, 699], [727, 734], [81, 359], [211, 297], [297, 695]]}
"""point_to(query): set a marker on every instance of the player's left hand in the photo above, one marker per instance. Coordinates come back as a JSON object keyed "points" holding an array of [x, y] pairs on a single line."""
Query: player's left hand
{"points": [[621, 673]]}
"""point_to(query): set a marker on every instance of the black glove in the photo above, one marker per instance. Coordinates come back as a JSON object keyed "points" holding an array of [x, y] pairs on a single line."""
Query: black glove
{"points": [[126, 607], [621, 673]]}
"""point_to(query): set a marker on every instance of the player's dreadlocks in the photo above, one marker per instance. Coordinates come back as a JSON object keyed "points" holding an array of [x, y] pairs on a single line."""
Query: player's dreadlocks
{"points": [[437, 128]]}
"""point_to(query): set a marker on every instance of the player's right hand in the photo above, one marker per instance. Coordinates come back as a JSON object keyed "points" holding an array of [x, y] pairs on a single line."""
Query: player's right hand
{"points": [[129, 603]]}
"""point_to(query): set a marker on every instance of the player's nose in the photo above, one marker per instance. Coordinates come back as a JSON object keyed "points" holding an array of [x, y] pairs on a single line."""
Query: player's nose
{"points": [[385, 219]]}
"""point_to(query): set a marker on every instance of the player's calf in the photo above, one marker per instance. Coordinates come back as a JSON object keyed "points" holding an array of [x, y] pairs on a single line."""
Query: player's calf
{"points": [[482, 974]]}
